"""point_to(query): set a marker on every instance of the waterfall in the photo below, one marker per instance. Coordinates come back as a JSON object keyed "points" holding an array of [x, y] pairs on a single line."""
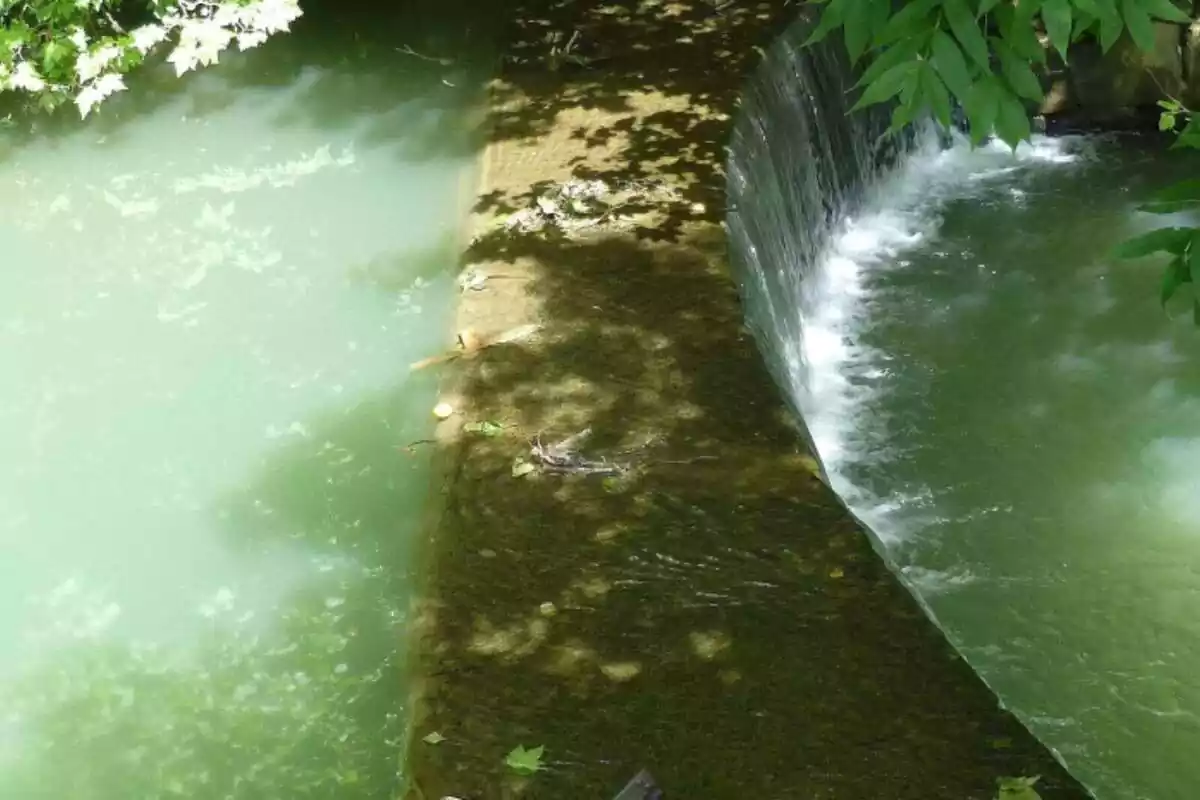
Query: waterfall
{"points": [[822, 202], [819, 197], [800, 163]]}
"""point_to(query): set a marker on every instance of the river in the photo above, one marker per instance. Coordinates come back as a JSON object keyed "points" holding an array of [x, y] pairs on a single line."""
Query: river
{"points": [[1011, 411], [208, 506]]}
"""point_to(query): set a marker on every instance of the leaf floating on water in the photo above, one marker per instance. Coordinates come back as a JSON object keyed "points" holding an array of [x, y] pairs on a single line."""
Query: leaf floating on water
{"points": [[1018, 788], [485, 428], [522, 468], [525, 761], [433, 738], [837, 572]]}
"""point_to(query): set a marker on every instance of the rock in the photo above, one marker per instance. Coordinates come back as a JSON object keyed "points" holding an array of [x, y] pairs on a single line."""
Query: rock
{"points": [[1099, 90]]}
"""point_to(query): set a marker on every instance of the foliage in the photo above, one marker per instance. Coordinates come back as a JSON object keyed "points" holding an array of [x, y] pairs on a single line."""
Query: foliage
{"points": [[525, 761], [924, 55], [982, 53], [79, 50], [1018, 788]]}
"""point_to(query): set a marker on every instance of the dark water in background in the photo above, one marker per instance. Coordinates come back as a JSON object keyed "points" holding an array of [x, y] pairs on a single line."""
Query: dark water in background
{"points": [[211, 292], [1005, 406]]}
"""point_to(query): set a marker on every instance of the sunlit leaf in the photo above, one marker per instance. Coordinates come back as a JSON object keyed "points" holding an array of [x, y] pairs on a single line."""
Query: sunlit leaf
{"points": [[1018, 788], [525, 761]]}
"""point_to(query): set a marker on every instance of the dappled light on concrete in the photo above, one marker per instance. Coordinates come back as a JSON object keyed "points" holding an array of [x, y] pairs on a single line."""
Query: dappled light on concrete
{"points": [[748, 641]]}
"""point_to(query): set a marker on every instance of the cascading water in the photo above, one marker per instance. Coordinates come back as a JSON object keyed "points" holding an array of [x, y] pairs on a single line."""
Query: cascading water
{"points": [[1008, 410]]}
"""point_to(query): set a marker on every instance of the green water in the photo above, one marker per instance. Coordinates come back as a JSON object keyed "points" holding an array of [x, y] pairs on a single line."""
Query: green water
{"points": [[208, 301], [1033, 438]]}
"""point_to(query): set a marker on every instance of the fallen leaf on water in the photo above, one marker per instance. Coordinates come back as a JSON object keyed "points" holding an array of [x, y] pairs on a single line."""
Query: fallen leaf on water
{"points": [[443, 410], [522, 468], [433, 738], [485, 428], [525, 761], [1018, 788], [837, 572]]}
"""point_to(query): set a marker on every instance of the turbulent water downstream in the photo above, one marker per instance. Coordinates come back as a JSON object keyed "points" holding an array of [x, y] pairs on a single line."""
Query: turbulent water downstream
{"points": [[1005, 405]]}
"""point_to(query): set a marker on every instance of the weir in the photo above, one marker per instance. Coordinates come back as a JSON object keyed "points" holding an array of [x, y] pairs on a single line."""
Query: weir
{"points": [[1005, 408]]}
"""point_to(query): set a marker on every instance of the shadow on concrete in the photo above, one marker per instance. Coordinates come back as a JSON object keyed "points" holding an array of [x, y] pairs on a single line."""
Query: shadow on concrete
{"points": [[715, 615]]}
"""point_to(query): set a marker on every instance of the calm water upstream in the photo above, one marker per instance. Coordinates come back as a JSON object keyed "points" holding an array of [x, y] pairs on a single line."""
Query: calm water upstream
{"points": [[210, 296], [1012, 412]]}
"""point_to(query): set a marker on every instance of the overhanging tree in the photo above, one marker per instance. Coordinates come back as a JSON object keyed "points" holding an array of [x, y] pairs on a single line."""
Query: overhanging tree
{"points": [[58, 51], [923, 55]]}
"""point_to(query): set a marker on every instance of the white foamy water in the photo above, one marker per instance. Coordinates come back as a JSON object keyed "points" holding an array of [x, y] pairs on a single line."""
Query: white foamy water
{"points": [[833, 374]]}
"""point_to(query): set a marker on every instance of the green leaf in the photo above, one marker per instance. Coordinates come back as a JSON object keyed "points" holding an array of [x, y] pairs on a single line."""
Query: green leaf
{"points": [[1196, 311], [1170, 240], [1139, 25], [56, 53], [888, 85], [982, 105], [902, 116], [1018, 788], [881, 12], [949, 62], [909, 104], [1165, 10], [911, 20], [525, 761], [1183, 191], [985, 6], [856, 29], [1177, 273], [934, 92], [1111, 25], [832, 17], [485, 428], [1056, 15], [966, 30], [1017, 72], [900, 52], [1088, 7], [1084, 24], [1012, 123]]}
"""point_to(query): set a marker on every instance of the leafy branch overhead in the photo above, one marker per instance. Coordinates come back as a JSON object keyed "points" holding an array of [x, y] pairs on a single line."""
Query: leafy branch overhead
{"points": [[57, 51], [926, 54], [982, 53]]}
